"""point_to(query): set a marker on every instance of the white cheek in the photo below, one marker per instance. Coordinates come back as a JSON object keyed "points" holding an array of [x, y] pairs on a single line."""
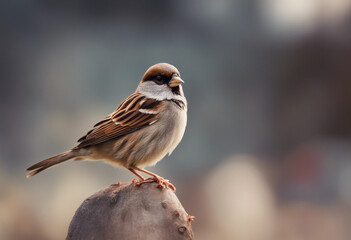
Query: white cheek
{"points": [[159, 92]]}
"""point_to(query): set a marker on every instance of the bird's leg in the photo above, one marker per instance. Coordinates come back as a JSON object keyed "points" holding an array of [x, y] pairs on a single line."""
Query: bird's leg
{"points": [[137, 174], [155, 178], [142, 179]]}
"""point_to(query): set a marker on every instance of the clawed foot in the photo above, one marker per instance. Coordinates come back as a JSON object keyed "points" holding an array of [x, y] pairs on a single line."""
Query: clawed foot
{"points": [[162, 183]]}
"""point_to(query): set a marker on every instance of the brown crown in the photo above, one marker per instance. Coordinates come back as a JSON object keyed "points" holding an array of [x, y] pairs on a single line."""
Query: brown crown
{"points": [[163, 69]]}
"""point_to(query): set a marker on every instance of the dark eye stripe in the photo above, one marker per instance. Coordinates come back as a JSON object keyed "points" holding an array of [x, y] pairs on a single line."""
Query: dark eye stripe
{"points": [[158, 79]]}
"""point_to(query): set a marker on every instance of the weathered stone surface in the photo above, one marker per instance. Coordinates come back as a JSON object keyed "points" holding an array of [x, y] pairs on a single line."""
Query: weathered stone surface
{"points": [[125, 211]]}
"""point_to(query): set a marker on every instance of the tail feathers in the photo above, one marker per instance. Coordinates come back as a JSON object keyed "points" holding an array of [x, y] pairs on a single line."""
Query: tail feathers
{"points": [[52, 161]]}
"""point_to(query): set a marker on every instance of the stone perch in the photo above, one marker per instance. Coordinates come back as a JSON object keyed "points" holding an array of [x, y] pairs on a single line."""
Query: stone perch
{"points": [[127, 212]]}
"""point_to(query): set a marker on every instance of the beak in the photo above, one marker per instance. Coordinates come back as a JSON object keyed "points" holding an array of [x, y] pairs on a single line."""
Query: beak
{"points": [[175, 81]]}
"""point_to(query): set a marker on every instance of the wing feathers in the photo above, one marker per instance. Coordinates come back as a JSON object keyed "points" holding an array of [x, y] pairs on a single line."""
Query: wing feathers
{"points": [[150, 103], [133, 104], [107, 118], [134, 113]]}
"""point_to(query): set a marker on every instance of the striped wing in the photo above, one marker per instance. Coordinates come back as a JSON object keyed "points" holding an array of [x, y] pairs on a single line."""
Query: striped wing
{"points": [[136, 112]]}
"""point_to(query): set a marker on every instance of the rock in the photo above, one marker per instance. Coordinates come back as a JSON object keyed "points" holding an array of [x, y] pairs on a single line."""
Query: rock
{"points": [[125, 211]]}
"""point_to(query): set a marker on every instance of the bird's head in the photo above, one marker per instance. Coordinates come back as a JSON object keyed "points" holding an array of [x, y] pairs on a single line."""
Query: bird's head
{"points": [[161, 80]]}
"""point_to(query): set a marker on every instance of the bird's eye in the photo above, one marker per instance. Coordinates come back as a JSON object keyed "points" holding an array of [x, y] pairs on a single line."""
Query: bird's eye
{"points": [[158, 80]]}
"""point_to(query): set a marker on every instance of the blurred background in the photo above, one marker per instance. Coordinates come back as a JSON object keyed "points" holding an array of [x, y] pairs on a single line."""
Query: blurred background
{"points": [[266, 154]]}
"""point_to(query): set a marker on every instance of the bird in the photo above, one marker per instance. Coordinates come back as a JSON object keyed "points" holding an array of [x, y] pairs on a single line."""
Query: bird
{"points": [[144, 128]]}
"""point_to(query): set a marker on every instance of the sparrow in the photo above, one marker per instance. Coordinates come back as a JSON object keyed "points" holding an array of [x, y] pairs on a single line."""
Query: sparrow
{"points": [[145, 127]]}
